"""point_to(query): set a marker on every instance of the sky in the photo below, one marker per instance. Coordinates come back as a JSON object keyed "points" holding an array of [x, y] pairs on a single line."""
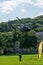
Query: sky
{"points": [[10, 9]]}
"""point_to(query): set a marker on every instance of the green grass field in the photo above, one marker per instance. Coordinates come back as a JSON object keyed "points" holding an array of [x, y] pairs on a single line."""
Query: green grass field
{"points": [[26, 60]]}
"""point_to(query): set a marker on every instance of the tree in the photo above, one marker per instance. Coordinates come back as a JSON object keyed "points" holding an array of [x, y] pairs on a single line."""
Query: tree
{"points": [[9, 43], [1, 37], [28, 39], [6, 40], [32, 40]]}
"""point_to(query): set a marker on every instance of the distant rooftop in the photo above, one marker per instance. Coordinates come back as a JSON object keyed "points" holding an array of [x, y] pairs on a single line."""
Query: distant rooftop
{"points": [[39, 35]]}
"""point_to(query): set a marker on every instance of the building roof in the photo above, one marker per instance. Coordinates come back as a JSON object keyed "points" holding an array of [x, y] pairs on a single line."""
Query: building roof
{"points": [[39, 35]]}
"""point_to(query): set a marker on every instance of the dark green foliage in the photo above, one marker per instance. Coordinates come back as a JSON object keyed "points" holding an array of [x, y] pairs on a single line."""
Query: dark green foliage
{"points": [[6, 40], [32, 39], [28, 39], [10, 25]]}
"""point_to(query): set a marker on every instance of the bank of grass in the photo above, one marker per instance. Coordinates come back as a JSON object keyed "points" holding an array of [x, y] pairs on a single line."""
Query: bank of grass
{"points": [[26, 60]]}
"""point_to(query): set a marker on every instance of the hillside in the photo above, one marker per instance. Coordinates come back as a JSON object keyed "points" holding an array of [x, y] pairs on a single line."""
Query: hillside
{"points": [[10, 25]]}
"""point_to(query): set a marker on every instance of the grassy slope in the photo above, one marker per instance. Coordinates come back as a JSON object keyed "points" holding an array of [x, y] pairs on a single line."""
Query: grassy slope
{"points": [[26, 60]]}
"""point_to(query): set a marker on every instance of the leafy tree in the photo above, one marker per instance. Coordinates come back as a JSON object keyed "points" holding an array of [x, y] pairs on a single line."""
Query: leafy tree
{"points": [[6, 40], [32, 40], [1, 37], [28, 39]]}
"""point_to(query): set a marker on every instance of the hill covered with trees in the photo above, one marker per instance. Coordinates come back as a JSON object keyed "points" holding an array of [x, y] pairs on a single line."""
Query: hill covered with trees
{"points": [[28, 22]]}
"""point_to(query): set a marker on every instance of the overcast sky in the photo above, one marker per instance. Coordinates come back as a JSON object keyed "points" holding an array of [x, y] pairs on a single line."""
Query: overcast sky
{"points": [[9, 9]]}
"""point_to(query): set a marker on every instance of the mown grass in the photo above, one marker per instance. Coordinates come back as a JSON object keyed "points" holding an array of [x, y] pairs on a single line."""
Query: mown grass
{"points": [[26, 60]]}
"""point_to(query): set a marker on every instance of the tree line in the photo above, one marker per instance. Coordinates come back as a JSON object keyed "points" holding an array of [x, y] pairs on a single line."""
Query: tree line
{"points": [[26, 39], [30, 22]]}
